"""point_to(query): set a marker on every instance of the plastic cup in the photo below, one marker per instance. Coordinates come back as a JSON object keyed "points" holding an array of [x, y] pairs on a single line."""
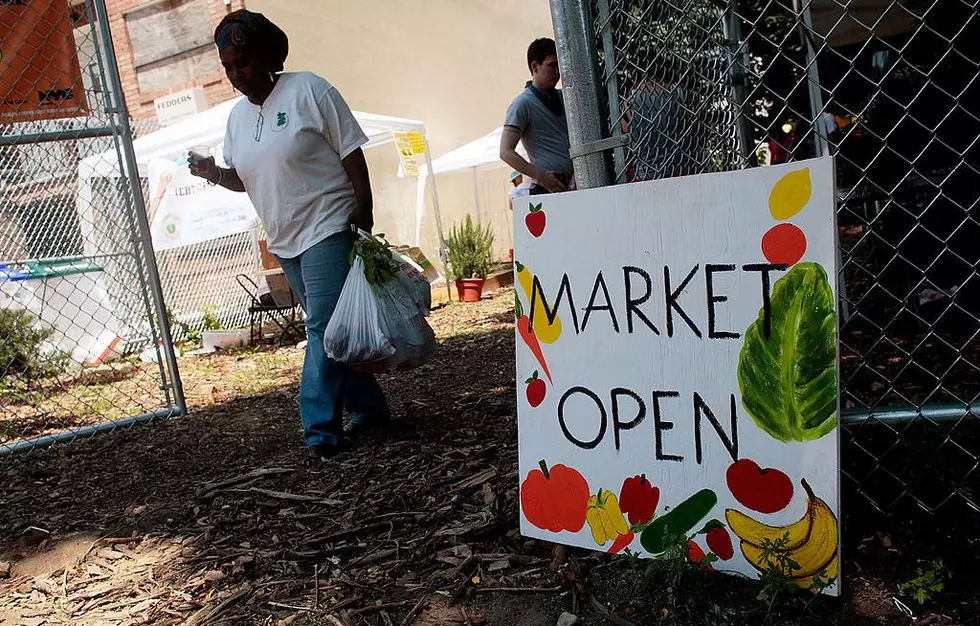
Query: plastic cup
{"points": [[200, 153]]}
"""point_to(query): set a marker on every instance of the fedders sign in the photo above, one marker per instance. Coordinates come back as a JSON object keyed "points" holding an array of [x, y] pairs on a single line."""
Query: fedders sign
{"points": [[177, 106], [677, 369]]}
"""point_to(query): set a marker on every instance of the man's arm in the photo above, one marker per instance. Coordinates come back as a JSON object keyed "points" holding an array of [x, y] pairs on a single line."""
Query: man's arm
{"points": [[509, 155], [357, 170]]}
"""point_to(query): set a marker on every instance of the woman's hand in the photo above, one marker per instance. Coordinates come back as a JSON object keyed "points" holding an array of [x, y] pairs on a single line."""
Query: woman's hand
{"points": [[357, 219], [203, 168], [206, 169]]}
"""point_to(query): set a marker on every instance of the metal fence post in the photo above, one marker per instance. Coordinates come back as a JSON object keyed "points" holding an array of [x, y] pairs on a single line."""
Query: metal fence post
{"points": [[581, 83], [612, 87], [805, 21], [118, 110], [739, 65]]}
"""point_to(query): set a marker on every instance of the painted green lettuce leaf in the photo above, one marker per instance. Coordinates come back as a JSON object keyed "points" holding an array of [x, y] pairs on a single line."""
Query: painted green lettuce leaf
{"points": [[788, 381]]}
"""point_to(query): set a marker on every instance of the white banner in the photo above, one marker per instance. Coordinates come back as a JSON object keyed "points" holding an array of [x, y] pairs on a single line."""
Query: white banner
{"points": [[184, 209], [676, 365]]}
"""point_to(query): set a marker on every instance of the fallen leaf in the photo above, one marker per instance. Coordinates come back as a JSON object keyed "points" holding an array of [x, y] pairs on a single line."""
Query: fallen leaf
{"points": [[498, 566], [112, 555]]}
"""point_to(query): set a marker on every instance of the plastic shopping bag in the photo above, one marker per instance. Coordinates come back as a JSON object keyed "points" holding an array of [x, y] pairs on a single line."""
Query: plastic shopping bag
{"points": [[412, 277], [405, 327], [354, 333], [377, 327], [410, 274]]}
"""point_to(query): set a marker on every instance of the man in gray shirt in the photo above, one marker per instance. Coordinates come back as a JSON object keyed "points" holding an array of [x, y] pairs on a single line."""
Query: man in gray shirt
{"points": [[536, 118]]}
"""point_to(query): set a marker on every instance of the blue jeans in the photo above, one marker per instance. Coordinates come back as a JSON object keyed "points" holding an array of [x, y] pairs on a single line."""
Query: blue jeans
{"points": [[316, 277]]}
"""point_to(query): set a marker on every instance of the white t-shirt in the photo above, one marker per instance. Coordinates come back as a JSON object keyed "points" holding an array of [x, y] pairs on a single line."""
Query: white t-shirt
{"points": [[288, 154]]}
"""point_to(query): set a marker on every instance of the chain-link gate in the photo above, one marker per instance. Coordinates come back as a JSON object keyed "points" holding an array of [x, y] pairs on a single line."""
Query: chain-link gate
{"points": [[200, 282], [85, 344], [892, 89]]}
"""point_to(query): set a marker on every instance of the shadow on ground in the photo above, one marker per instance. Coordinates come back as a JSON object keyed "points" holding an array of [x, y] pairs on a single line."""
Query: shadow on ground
{"points": [[219, 517]]}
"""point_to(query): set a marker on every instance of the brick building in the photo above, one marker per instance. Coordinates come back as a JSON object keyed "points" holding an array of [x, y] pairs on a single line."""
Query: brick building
{"points": [[453, 64], [165, 46]]}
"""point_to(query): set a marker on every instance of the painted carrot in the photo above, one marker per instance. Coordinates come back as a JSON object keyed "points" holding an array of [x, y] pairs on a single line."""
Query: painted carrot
{"points": [[621, 543], [527, 334]]}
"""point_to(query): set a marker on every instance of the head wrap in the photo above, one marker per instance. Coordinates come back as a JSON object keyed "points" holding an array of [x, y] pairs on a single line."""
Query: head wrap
{"points": [[255, 33]]}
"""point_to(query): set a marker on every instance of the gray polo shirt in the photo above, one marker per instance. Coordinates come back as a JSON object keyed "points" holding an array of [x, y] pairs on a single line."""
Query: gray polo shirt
{"points": [[544, 134]]}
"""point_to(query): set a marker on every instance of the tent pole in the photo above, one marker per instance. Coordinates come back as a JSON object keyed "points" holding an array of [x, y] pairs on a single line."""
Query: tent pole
{"points": [[443, 248], [420, 186], [476, 196]]}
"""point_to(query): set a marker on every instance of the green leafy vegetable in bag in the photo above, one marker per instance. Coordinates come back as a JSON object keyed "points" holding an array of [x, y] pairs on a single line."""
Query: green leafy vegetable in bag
{"points": [[379, 264], [788, 379]]}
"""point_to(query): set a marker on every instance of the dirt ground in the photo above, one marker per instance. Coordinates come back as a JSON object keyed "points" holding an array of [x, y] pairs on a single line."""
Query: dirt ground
{"points": [[220, 518]]}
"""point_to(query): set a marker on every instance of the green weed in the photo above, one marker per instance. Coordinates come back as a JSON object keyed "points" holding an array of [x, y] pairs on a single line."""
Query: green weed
{"points": [[929, 582]]}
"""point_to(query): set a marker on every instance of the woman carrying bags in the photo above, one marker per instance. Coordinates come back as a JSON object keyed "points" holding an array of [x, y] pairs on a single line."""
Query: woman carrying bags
{"points": [[294, 147]]}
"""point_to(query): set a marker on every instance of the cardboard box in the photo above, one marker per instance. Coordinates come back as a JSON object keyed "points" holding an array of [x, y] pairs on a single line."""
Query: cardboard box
{"points": [[279, 288], [415, 254]]}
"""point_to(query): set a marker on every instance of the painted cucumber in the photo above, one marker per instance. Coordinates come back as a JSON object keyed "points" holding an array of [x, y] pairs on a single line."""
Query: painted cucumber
{"points": [[677, 524]]}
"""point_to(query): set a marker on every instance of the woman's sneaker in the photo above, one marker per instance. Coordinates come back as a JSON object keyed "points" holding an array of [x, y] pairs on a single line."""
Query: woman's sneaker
{"points": [[375, 427], [325, 451]]}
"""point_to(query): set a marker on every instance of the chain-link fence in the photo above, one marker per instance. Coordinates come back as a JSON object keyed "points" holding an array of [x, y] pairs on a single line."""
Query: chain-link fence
{"points": [[200, 282], [84, 336], [892, 89]]}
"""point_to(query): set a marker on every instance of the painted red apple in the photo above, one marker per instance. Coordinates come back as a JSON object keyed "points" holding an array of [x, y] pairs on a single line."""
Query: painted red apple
{"points": [[535, 220], [536, 390], [762, 490]]}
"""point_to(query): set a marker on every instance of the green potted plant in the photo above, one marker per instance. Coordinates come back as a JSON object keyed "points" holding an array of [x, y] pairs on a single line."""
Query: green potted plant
{"points": [[470, 247]]}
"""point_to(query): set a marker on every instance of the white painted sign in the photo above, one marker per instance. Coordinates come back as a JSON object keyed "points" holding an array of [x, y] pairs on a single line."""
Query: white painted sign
{"points": [[676, 363], [177, 106], [184, 209]]}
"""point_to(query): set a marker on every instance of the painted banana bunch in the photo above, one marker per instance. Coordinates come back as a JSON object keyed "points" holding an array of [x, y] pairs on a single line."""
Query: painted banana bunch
{"points": [[804, 549]]}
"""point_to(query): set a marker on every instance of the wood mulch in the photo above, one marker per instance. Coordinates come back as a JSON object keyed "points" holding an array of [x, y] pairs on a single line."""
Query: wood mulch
{"points": [[220, 517]]}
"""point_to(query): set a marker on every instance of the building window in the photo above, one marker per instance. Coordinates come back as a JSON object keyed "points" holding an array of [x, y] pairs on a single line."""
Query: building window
{"points": [[171, 44]]}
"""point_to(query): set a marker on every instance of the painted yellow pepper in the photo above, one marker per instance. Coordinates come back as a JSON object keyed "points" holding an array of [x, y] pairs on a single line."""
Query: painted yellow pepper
{"points": [[545, 332], [605, 518]]}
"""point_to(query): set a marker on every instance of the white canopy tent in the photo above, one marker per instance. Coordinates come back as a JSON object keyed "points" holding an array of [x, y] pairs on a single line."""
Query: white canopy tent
{"points": [[482, 153], [853, 22], [195, 275], [208, 128], [477, 155]]}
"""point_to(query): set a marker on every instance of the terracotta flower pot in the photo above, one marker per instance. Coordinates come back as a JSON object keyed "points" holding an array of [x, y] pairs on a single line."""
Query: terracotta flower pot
{"points": [[469, 289]]}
